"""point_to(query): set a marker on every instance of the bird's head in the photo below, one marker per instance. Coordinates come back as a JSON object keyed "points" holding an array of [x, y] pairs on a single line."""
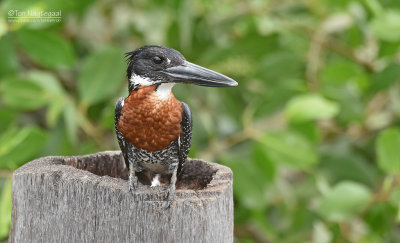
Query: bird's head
{"points": [[151, 65]]}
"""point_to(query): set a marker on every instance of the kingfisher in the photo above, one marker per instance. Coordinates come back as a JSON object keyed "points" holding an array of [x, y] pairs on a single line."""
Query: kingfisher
{"points": [[153, 128]]}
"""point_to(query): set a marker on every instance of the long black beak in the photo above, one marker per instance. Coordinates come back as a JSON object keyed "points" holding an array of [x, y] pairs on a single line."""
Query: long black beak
{"points": [[195, 74]]}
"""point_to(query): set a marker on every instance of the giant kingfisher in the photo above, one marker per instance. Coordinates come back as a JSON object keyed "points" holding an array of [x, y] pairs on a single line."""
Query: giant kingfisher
{"points": [[153, 128]]}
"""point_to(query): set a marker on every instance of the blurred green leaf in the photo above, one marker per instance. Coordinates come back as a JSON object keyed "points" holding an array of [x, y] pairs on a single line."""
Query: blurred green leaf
{"points": [[46, 48], [290, 148], [280, 65], [307, 129], [19, 145], [386, 26], [251, 193], [273, 98], [22, 94], [8, 62], [102, 75], [54, 91], [71, 119], [263, 163], [5, 209], [385, 78], [310, 107], [47, 81], [54, 111], [7, 117], [388, 150], [381, 218], [321, 233], [340, 160], [348, 167], [346, 199], [339, 72]]}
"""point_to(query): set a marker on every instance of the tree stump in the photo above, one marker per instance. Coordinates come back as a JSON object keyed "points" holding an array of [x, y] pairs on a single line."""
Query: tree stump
{"points": [[86, 199]]}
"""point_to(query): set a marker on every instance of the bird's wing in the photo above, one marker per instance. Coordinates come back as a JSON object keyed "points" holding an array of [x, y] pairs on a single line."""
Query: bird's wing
{"points": [[185, 138], [123, 143]]}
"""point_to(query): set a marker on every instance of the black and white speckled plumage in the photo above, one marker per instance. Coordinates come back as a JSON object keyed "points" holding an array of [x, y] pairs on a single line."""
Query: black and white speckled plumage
{"points": [[159, 162]]}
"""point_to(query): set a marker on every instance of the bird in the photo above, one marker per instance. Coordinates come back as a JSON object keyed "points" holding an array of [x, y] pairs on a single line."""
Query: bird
{"points": [[153, 128]]}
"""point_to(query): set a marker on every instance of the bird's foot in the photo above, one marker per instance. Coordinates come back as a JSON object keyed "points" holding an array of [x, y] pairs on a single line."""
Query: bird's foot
{"points": [[170, 196], [170, 199], [171, 191], [132, 183]]}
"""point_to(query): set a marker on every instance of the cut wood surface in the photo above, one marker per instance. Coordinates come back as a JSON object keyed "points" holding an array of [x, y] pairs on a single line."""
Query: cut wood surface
{"points": [[86, 199]]}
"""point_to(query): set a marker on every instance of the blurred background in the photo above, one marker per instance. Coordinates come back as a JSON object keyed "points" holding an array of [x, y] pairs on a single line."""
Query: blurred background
{"points": [[311, 132]]}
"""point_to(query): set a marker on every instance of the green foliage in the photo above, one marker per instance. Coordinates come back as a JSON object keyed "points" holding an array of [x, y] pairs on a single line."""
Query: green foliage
{"points": [[5, 208], [22, 94], [310, 107], [311, 132], [46, 48], [290, 148], [101, 75], [387, 149], [345, 200], [386, 26], [18, 146]]}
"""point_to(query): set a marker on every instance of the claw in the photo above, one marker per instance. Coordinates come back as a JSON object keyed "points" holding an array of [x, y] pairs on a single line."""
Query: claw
{"points": [[171, 191], [170, 198], [132, 184], [169, 202]]}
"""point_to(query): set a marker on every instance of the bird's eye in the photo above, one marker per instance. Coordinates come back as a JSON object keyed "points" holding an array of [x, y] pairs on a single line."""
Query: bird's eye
{"points": [[157, 60]]}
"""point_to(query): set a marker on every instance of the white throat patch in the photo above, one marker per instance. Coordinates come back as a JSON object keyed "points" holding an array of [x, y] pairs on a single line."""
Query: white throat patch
{"points": [[139, 80], [164, 90]]}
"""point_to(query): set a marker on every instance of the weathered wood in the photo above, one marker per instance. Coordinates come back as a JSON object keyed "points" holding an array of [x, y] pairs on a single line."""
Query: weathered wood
{"points": [[86, 199]]}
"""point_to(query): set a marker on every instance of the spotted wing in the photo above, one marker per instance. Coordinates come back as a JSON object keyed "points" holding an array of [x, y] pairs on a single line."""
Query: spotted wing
{"points": [[185, 138], [123, 143]]}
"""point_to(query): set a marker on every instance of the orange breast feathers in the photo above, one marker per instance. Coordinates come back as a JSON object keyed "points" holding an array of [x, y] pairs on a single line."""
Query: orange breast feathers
{"points": [[149, 122]]}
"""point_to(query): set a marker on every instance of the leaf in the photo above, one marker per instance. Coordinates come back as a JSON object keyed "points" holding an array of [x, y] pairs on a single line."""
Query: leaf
{"points": [[385, 78], [388, 150], [351, 105], [308, 130], [350, 166], [280, 65], [8, 62], [251, 193], [263, 163], [101, 75], [47, 81], [46, 48], [55, 92], [7, 117], [5, 209], [70, 115], [310, 107], [339, 72], [289, 148], [19, 145], [380, 217], [386, 26], [54, 111], [22, 94], [340, 160], [321, 233], [345, 200]]}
